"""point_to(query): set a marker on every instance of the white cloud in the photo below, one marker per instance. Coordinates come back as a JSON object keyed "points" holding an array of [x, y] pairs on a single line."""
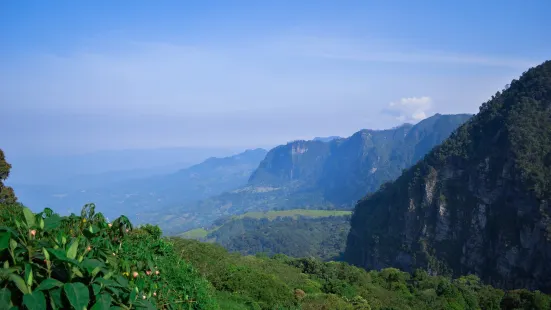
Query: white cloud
{"points": [[412, 109]]}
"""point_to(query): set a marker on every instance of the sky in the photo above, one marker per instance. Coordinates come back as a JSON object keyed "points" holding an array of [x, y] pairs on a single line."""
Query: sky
{"points": [[84, 76]]}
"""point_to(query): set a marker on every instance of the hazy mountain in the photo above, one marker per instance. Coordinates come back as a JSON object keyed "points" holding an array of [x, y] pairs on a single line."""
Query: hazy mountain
{"points": [[326, 139], [51, 170], [316, 174], [479, 203], [133, 196]]}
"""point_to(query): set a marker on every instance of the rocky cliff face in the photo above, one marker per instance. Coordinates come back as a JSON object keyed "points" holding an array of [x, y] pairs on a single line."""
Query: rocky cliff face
{"points": [[479, 203], [344, 170]]}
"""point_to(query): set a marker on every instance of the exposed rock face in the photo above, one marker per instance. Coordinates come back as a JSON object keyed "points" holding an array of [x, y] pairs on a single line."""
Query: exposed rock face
{"points": [[344, 170], [476, 204]]}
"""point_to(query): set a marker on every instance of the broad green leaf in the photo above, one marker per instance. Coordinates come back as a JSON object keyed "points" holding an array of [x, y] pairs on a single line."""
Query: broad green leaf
{"points": [[96, 288], [35, 301], [28, 275], [29, 217], [19, 283], [5, 297], [52, 222], [61, 256], [72, 251], [122, 281], [41, 223], [6, 264], [77, 294], [103, 302], [48, 284], [4, 240], [55, 297]]}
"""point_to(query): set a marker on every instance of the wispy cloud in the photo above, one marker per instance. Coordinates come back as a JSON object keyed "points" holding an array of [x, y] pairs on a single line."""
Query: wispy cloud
{"points": [[412, 109], [378, 51], [147, 94]]}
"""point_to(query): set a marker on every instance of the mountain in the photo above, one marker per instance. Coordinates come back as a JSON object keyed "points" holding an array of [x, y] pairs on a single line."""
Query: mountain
{"points": [[41, 169], [319, 175], [478, 203], [327, 139], [134, 197], [297, 233], [344, 170]]}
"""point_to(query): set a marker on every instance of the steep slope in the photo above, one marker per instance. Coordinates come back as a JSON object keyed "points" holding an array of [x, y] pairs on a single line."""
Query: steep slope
{"points": [[479, 203], [319, 175], [344, 170]]}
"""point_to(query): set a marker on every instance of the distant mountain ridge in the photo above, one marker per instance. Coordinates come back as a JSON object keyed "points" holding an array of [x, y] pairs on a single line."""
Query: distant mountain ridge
{"points": [[316, 174], [134, 197], [344, 170], [478, 203], [327, 139]]}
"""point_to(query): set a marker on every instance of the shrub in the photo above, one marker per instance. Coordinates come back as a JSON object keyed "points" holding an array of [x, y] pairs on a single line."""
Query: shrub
{"points": [[78, 262]]}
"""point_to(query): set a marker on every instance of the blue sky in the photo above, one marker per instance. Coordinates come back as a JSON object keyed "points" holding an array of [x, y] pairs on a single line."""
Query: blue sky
{"points": [[81, 76]]}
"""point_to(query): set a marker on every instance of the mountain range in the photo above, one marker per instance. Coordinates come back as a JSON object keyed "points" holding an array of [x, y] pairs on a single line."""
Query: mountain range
{"points": [[123, 194], [476, 204], [315, 174]]}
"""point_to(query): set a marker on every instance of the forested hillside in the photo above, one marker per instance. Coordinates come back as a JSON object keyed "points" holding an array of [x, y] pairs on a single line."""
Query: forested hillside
{"points": [[297, 233], [479, 203], [319, 175], [87, 262]]}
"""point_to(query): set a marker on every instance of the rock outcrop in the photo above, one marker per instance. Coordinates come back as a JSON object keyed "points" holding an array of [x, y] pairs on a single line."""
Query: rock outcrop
{"points": [[479, 203]]}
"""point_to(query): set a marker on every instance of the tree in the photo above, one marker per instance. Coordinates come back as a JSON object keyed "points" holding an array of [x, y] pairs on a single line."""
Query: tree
{"points": [[6, 192]]}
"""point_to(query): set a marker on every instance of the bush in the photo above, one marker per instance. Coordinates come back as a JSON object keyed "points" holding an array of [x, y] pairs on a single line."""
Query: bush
{"points": [[79, 262]]}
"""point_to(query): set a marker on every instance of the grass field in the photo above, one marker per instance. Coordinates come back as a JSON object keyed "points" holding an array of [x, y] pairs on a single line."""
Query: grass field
{"points": [[200, 233], [292, 213], [197, 233]]}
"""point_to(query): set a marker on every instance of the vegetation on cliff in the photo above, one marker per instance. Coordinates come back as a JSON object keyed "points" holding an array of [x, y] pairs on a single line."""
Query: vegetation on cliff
{"points": [[478, 203]]}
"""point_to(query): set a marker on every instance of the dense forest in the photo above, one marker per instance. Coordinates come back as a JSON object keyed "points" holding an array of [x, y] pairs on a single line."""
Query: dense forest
{"points": [[322, 236], [318, 174], [83, 261], [478, 203]]}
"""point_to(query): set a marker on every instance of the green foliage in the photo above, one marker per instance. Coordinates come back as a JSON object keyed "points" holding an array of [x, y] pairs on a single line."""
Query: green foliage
{"points": [[318, 175], [281, 282], [83, 262], [6, 193], [471, 201], [308, 233]]}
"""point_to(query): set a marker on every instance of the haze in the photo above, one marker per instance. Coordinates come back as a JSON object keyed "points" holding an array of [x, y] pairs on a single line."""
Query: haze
{"points": [[81, 77]]}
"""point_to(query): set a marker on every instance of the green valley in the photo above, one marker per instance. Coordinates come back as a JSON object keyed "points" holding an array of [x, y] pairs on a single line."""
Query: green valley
{"points": [[318, 174], [298, 233]]}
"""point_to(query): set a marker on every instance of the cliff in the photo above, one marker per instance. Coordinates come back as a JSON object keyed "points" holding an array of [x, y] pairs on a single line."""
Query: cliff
{"points": [[478, 203]]}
